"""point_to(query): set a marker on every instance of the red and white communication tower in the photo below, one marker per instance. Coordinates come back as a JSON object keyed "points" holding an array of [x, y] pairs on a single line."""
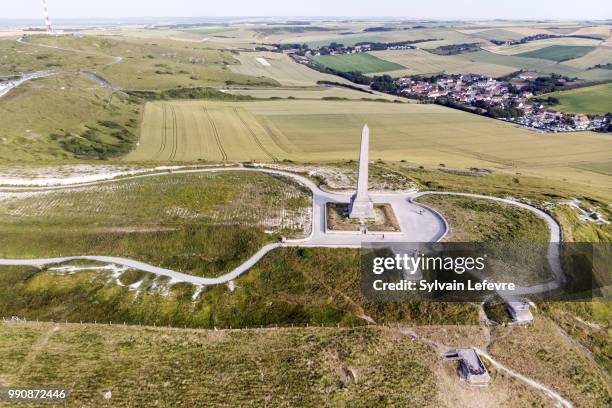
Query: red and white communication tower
{"points": [[47, 19]]}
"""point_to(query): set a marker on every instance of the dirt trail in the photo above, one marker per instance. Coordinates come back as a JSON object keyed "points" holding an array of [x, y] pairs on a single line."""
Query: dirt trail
{"points": [[441, 348], [36, 350]]}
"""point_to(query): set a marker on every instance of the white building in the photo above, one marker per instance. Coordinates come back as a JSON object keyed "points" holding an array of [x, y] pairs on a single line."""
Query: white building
{"points": [[520, 312]]}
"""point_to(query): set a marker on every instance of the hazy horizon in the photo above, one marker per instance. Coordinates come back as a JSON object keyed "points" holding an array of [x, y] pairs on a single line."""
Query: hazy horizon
{"points": [[358, 9]]}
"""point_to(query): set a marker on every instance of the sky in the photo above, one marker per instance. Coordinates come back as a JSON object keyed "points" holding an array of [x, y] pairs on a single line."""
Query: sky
{"points": [[420, 9]]}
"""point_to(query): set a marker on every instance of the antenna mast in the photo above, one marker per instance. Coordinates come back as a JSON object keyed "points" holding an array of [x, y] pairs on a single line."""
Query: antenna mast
{"points": [[47, 19]]}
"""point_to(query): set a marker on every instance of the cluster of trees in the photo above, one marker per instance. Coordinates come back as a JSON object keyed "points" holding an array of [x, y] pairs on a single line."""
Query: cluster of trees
{"points": [[453, 49], [334, 47], [384, 83], [343, 85], [377, 29], [536, 37], [188, 93], [93, 144], [551, 100], [601, 66], [545, 84], [353, 76]]}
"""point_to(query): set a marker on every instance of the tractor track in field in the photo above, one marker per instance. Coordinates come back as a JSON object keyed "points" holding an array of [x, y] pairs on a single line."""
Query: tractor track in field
{"points": [[216, 134], [162, 146], [174, 134], [255, 138]]}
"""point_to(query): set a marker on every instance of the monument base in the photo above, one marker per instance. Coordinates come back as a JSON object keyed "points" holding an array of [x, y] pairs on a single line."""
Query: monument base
{"points": [[337, 220], [361, 208]]}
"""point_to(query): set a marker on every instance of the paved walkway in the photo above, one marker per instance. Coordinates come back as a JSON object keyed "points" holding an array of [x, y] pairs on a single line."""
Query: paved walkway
{"points": [[418, 224]]}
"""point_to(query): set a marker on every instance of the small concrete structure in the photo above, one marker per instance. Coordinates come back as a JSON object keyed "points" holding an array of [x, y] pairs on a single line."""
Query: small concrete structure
{"points": [[471, 368], [520, 312], [362, 206]]}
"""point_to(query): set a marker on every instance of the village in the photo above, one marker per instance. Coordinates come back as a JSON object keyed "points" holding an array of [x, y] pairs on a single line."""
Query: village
{"points": [[512, 100]]}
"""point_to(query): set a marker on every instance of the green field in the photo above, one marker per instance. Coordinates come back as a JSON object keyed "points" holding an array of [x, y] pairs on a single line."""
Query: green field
{"points": [[305, 130], [558, 52], [363, 62], [419, 62], [205, 224], [596, 100], [281, 68]]}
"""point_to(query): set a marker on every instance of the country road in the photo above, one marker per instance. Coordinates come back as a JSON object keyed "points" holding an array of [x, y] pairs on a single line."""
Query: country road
{"points": [[6, 87], [418, 224]]}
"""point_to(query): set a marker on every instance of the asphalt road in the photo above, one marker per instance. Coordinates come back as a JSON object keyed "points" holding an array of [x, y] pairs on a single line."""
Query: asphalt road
{"points": [[418, 224]]}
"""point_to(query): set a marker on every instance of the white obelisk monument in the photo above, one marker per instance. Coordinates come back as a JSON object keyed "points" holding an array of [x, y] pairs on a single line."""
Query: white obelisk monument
{"points": [[361, 203]]}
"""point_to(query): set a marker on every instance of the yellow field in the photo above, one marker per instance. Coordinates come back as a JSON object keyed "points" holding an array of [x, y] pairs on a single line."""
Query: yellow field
{"points": [[422, 62], [311, 130], [536, 45], [281, 68]]}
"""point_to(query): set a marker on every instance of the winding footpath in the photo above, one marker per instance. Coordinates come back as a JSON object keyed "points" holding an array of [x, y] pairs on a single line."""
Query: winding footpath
{"points": [[6, 87], [418, 223]]}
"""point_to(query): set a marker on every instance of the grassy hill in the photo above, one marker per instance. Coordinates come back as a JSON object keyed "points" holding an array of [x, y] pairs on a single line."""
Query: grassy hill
{"points": [[589, 100]]}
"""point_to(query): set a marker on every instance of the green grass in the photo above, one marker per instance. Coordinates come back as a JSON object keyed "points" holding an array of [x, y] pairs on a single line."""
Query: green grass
{"points": [[558, 53], [157, 63], [285, 367], [289, 286], [539, 191], [64, 117], [553, 360], [365, 63], [23, 57], [595, 100], [487, 221], [202, 224]]}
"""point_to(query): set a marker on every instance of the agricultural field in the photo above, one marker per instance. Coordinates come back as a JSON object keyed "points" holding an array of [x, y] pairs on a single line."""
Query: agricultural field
{"points": [[588, 100], [516, 63], [304, 130], [365, 63], [420, 62], [281, 68], [174, 221], [540, 44], [601, 55], [187, 131], [558, 53]]}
